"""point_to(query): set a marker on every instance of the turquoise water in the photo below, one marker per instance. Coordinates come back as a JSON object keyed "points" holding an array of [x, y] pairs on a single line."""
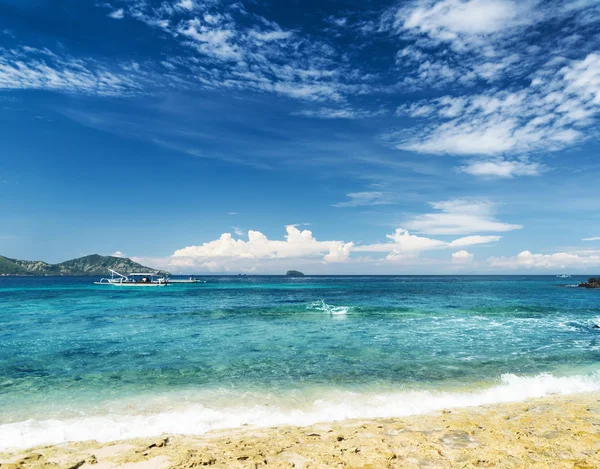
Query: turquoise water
{"points": [[82, 361]]}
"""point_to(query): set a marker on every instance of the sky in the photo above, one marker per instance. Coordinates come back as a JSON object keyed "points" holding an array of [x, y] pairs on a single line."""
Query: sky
{"points": [[332, 136]]}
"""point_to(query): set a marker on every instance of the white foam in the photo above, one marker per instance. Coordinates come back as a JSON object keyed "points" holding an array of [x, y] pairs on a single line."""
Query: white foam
{"points": [[329, 309], [335, 405]]}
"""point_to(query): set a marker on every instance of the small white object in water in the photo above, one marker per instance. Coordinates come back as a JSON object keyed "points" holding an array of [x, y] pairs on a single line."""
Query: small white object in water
{"points": [[329, 309]]}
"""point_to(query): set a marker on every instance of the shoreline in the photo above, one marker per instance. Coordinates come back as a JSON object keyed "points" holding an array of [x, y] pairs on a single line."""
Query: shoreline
{"points": [[558, 431], [149, 415]]}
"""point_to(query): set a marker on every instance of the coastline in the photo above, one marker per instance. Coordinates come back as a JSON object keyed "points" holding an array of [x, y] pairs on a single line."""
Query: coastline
{"points": [[557, 431]]}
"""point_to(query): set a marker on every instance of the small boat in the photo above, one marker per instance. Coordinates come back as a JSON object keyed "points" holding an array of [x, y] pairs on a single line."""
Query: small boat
{"points": [[136, 279], [563, 276]]}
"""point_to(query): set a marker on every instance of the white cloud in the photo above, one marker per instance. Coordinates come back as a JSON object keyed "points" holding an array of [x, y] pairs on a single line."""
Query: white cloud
{"points": [[501, 168], [463, 23], [238, 231], [549, 115], [232, 213], [460, 216], [471, 240], [403, 244], [228, 253], [462, 257], [237, 49], [298, 244], [186, 4], [117, 14], [117, 254], [213, 41], [343, 113], [594, 238], [361, 199], [559, 260], [30, 68], [262, 36]]}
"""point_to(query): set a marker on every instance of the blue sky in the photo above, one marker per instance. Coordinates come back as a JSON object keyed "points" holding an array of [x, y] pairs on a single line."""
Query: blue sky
{"points": [[421, 136]]}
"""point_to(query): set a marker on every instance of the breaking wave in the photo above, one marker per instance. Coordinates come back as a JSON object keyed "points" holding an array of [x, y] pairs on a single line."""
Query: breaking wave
{"points": [[329, 309], [330, 405]]}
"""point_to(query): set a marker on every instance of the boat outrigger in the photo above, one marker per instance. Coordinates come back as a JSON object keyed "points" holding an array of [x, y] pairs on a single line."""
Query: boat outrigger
{"points": [[186, 280], [136, 279]]}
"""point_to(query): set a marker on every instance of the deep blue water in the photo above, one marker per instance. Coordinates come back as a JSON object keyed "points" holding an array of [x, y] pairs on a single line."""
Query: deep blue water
{"points": [[261, 349]]}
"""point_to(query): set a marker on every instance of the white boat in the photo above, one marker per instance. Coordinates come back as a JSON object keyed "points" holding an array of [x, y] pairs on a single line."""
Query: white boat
{"points": [[563, 276], [135, 279]]}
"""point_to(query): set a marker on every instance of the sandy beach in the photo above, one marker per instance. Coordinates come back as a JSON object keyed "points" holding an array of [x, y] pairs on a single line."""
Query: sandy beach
{"points": [[557, 432]]}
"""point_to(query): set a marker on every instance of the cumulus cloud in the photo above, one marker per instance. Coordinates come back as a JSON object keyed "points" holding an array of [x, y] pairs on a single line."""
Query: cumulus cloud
{"points": [[558, 260], [259, 252], [462, 257], [460, 216], [298, 244], [117, 254]]}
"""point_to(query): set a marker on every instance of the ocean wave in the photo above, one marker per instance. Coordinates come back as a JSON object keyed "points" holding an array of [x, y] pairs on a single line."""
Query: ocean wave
{"points": [[334, 405], [326, 308], [582, 324]]}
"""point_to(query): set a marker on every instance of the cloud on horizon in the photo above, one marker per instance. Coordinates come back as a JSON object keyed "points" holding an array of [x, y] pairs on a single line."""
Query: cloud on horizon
{"points": [[228, 253], [558, 260]]}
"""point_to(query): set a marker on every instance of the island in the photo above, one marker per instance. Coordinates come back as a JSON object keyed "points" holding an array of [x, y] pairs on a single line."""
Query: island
{"points": [[92, 265], [593, 282], [294, 273]]}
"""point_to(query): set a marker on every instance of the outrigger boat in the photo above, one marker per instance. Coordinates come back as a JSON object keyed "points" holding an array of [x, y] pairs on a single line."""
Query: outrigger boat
{"points": [[136, 279]]}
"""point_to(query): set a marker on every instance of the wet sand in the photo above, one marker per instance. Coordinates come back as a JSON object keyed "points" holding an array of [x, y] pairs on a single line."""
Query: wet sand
{"points": [[554, 432]]}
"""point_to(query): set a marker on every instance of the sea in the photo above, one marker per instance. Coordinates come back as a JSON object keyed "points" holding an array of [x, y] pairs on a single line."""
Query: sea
{"points": [[80, 361]]}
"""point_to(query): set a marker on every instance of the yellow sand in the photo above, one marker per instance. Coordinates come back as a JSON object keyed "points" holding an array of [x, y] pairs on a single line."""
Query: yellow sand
{"points": [[555, 432]]}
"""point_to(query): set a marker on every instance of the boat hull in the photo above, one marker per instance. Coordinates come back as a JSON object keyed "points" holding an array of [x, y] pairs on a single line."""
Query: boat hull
{"points": [[131, 284], [185, 281]]}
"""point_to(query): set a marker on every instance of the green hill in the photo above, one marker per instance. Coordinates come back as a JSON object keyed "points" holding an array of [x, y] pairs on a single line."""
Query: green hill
{"points": [[8, 267], [88, 265]]}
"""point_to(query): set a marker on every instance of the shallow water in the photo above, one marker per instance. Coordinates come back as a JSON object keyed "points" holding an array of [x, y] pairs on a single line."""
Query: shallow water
{"points": [[82, 361]]}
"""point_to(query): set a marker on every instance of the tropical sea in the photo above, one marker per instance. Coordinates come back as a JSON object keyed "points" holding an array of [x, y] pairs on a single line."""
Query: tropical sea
{"points": [[80, 361]]}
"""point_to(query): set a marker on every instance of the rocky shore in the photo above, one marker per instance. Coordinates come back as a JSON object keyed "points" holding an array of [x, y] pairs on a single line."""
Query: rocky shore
{"points": [[593, 282], [556, 432]]}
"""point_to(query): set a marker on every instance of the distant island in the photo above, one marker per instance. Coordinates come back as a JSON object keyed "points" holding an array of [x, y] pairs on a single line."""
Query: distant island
{"points": [[92, 265], [294, 273], [593, 282]]}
